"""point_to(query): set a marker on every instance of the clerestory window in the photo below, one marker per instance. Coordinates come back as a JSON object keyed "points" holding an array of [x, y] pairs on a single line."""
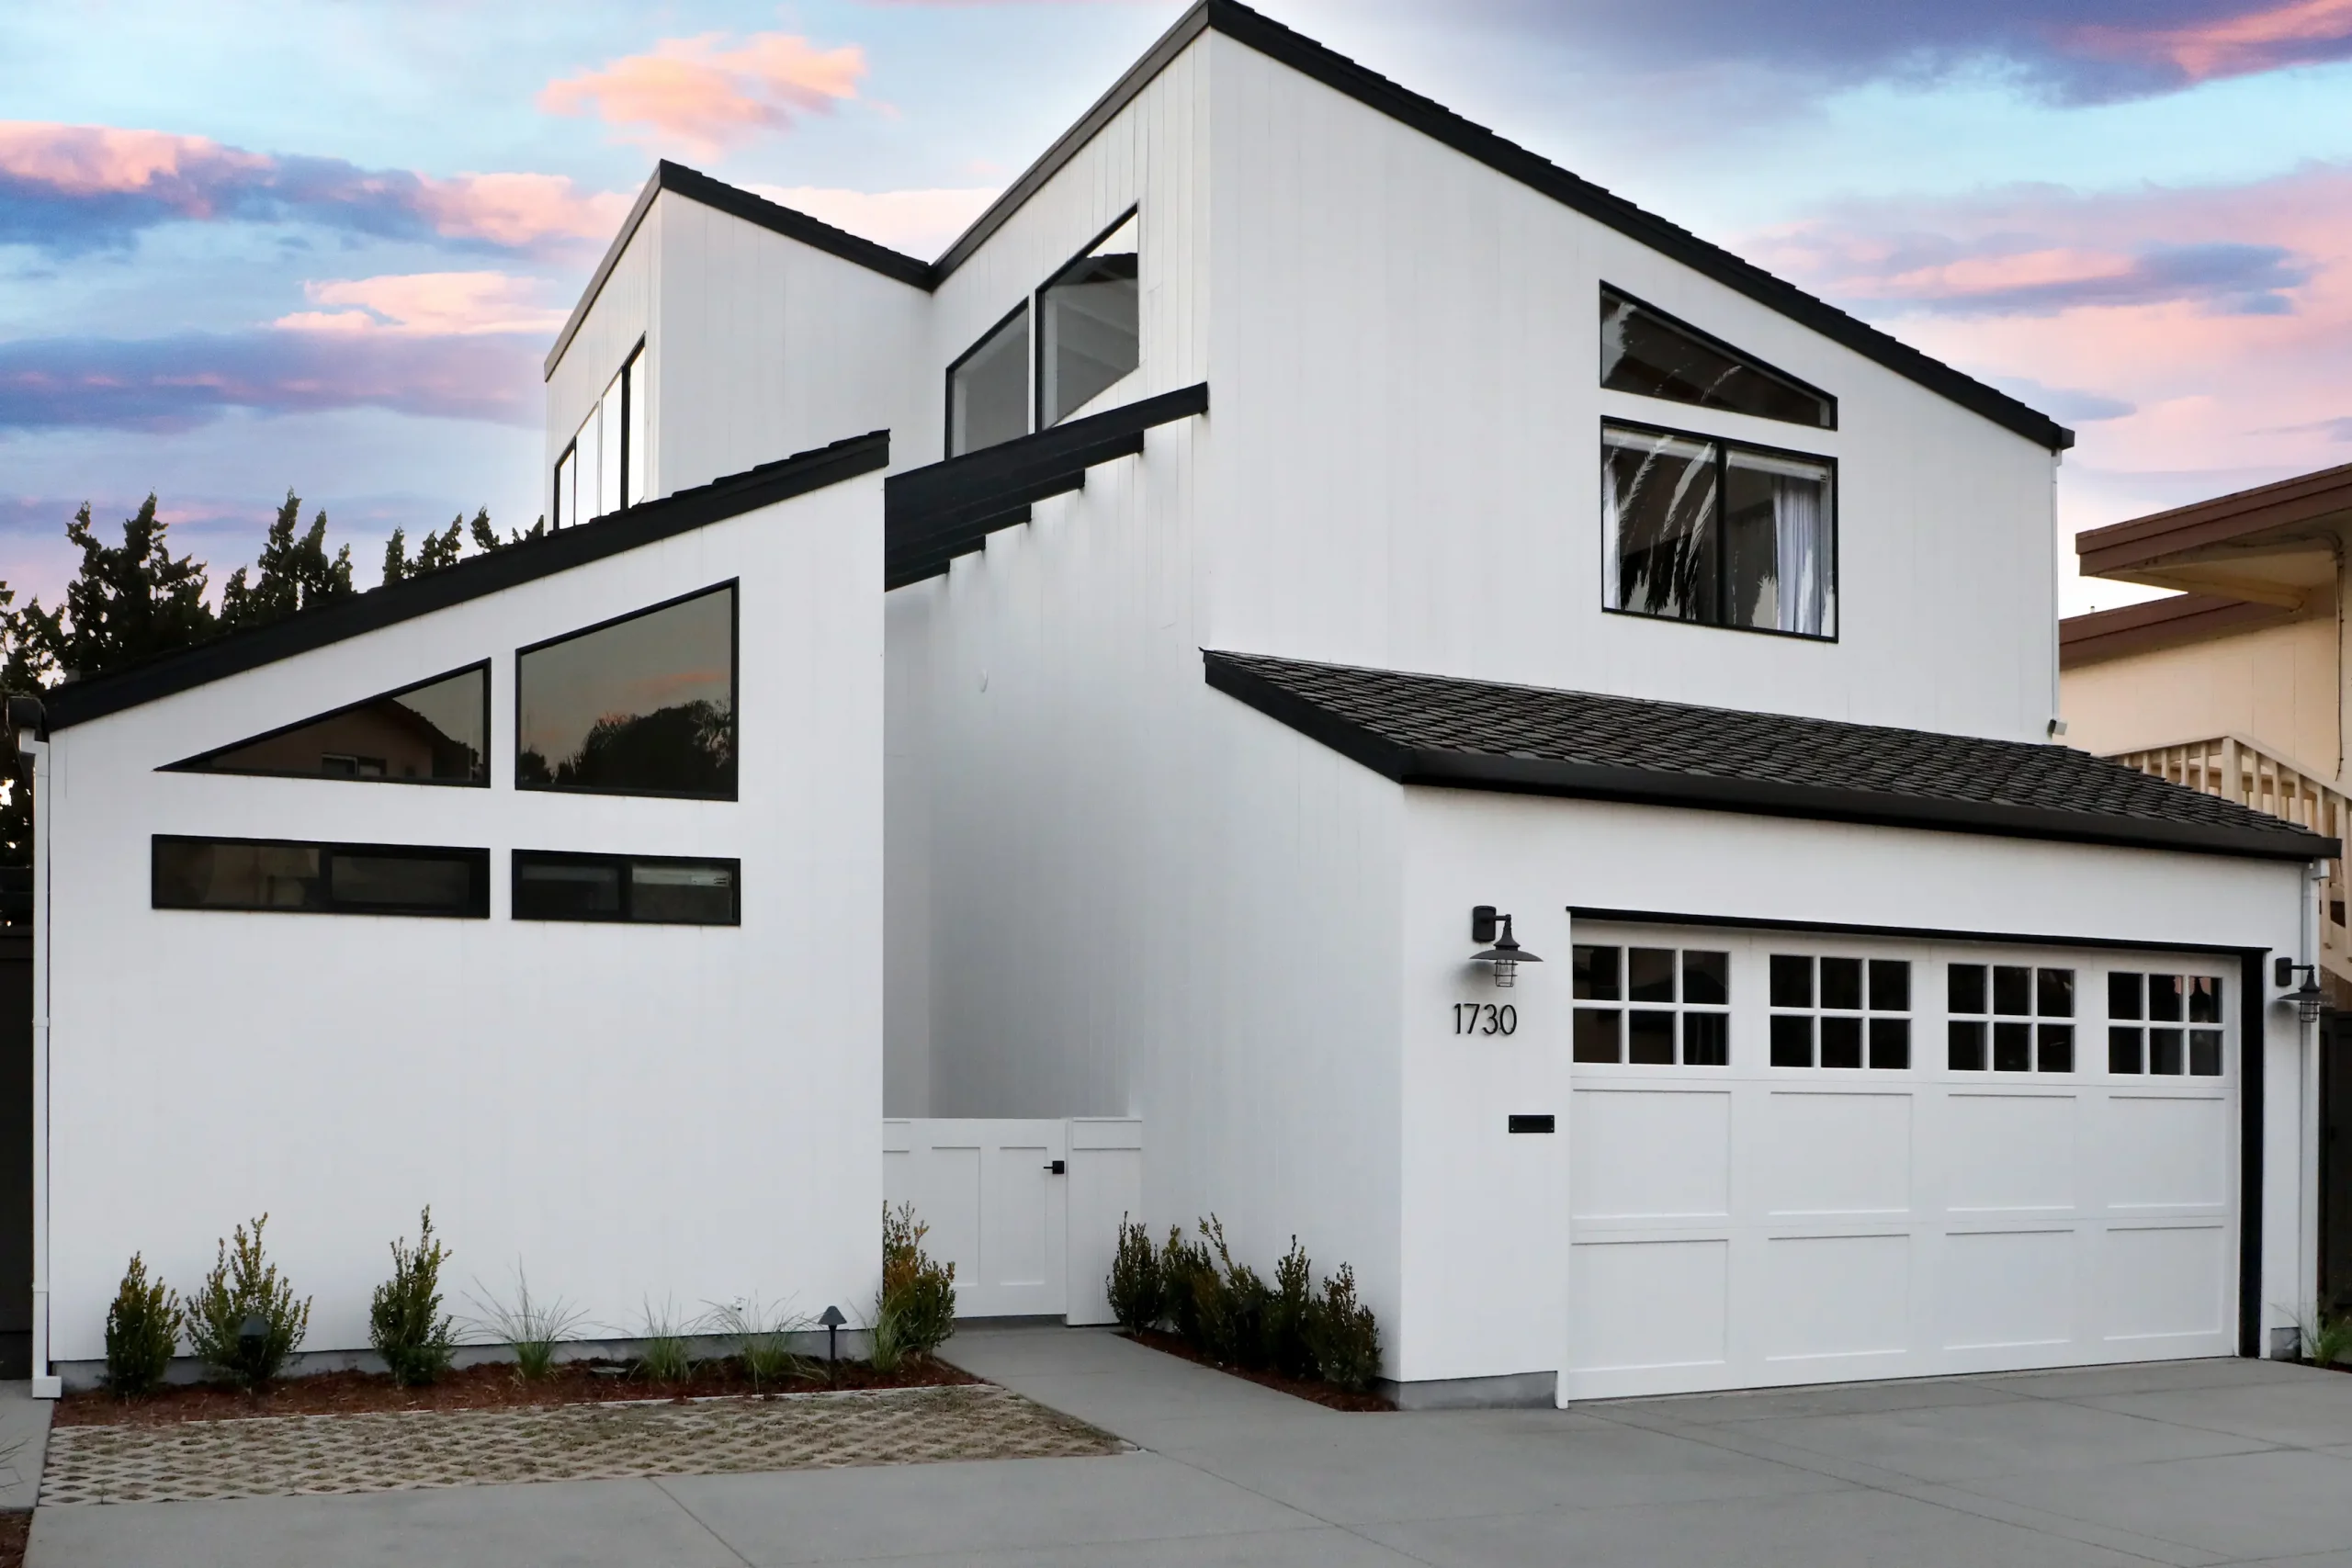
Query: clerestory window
{"points": [[604, 467], [1645, 350], [1091, 333]]}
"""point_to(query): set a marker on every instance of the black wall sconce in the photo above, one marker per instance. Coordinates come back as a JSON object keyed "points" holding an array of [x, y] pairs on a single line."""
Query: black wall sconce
{"points": [[1504, 952], [2310, 998]]}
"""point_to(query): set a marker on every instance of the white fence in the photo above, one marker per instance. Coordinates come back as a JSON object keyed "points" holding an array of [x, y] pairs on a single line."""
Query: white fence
{"points": [[1027, 1211]]}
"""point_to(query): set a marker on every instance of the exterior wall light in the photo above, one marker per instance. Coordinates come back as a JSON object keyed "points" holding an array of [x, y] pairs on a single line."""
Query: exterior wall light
{"points": [[1505, 954], [2310, 998]]}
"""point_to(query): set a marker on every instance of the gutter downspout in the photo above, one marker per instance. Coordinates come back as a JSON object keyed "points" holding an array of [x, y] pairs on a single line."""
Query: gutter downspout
{"points": [[45, 1385], [2307, 1110]]}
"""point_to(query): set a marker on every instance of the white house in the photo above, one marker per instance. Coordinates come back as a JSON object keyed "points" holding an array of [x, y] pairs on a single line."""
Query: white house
{"points": [[1324, 541]]}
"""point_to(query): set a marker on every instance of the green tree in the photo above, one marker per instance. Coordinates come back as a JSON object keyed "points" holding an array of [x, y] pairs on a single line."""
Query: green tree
{"points": [[128, 603], [293, 574]]}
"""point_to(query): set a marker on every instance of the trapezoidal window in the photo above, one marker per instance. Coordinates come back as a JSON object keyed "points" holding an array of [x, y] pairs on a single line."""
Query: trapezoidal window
{"points": [[434, 732], [630, 889], [987, 389], [295, 877], [1699, 529], [1646, 351], [1091, 333], [644, 704]]}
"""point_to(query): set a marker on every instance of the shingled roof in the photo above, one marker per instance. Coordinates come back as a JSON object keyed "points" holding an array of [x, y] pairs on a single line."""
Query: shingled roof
{"points": [[1437, 729]]}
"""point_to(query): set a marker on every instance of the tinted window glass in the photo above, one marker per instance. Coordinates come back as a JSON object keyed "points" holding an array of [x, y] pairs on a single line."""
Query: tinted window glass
{"points": [[1703, 530], [327, 879], [433, 733], [987, 389], [645, 706], [553, 886], [1643, 352], [548, 889], [1092, 327]]}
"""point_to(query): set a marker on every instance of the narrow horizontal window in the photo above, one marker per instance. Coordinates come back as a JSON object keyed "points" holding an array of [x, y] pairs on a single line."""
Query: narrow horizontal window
{"points": [[641, 706], [987, 389], [1723, 535], [641, 889], [290, 877], [1091, 332], [436, 731], [1645, 351]]}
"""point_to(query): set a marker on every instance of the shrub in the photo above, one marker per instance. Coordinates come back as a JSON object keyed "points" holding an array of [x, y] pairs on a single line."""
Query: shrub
{"points": [[918, 1294], [2327, 1335], [536, 1329], [1189, 1289], [142, 1330], [1343, 1336], [886, 1341], [1288, 1312], [405, 1322], [243, 1288], [668, 1356], [1133, 1282], [763, 1337], [1234, 1312]]}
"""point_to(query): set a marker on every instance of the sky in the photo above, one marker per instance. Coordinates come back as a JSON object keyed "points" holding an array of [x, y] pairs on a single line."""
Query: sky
{"points": [[259, 246]]}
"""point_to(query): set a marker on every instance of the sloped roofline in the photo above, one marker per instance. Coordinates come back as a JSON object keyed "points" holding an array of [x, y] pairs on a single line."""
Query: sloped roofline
{"points": [[1375, 92]]}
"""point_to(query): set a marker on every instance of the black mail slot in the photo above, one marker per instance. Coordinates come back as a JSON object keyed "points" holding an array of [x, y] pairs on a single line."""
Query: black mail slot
{"points": [[1530, 1123]]}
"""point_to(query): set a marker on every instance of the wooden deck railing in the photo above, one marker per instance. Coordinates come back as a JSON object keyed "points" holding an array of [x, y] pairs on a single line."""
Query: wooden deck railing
{"points": [[2236, 769]]}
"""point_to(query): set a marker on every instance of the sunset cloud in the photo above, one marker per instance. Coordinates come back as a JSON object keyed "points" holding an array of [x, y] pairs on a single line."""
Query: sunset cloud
{"points": [[2298, 33], [459, 304], [699, 94]]}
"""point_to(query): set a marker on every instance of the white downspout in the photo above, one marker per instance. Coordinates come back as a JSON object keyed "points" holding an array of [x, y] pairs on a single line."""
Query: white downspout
{"points": [[2307, 1109], [45, 1385]]}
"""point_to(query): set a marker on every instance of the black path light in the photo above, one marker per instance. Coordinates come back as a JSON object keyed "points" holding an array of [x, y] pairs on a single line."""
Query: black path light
{"points": [[832, 1320], [1505, 954], [2310, 998]]}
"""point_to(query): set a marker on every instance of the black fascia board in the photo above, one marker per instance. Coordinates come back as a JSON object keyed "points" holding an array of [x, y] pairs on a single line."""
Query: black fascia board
{"points": [[901, 571], [1645, 786], [966, 530], [516, 564]]}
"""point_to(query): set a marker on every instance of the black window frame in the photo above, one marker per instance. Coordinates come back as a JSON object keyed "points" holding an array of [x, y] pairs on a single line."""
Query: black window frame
{"points": [[476, 859], [196, 764], [1761, 367], [1037, 420], [734, 587], [620, 863], [1722, 445], [627, 384], [948, 380]]}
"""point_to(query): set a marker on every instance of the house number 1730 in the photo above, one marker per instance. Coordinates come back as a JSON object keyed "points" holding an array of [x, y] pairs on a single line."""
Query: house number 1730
{"points": [[1485, 1017]]}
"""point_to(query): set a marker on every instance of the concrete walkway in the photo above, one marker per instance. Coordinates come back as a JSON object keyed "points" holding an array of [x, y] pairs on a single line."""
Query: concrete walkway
{"points": [[2190, 1463]]}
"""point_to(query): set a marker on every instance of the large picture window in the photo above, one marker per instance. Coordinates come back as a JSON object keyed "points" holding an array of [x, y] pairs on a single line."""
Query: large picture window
{"points": [[644, 704], [641, 889], [1646, 351], [1090, 330], [289, 876], [987, 389], [603, 469], [434, 732], [1705, 530]]}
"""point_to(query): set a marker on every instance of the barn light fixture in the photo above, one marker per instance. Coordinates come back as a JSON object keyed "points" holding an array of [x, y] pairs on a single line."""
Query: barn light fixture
{"points": [[2310, 998], [1505, 954]]}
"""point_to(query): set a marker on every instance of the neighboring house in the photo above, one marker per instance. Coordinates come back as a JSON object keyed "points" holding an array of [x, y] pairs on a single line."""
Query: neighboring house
{"points": [[2235, 685], [1329, 551]]}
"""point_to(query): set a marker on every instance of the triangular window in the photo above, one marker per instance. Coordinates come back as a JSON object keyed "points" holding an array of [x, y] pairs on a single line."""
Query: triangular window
{"points": [[436, 731]]}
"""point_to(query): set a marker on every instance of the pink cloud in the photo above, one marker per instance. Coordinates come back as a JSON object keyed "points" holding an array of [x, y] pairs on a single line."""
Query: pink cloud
{"points": [[694, 93], [919, 222], [103, 159], [2256, 40], [516, 210], [461, 304]]}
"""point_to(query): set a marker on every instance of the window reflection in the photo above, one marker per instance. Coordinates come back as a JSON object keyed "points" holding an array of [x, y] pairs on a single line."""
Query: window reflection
{"points": [[321, 879], [1091, 326], [1642, 350], [436, 732], [655, 890], [987, 389], [643, 706], [1709, 531]]}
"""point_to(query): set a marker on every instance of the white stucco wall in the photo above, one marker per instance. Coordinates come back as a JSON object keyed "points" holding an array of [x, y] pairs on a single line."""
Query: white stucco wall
{"points": [[633, 1112]]}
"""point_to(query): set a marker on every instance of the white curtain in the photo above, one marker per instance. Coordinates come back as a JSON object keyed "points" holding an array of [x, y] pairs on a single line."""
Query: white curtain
{"points": [[1803, 545]]}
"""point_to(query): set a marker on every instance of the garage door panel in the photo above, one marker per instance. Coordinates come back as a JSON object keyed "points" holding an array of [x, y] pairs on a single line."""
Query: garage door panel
{"points": [[2008, 1288], [1650, 1153], [2009, 1151], [1828, 1296], [1835, 1153], [2166, 1152], [1649, 1303], [2166, 1282]]}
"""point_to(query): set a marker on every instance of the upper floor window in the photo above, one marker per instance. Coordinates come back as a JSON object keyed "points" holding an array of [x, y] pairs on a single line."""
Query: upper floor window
{"points": [[987, 389], [1700, 530], [603, 469], [644, 704], [1091, 329], [1644, 350], [434, 732]]}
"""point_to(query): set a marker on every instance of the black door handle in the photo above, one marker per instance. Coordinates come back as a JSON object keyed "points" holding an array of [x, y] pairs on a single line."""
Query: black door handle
{"points": [[1059, 1167]]}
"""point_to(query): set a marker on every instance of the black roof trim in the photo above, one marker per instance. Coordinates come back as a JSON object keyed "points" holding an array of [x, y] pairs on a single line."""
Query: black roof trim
{"points": [[736, 202], [931, 514], [474, 578], [1651, 753]]}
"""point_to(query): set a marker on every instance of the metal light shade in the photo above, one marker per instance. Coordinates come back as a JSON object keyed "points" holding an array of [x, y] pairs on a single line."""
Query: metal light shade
{"points": [[1506, 956], [2310, 998]]}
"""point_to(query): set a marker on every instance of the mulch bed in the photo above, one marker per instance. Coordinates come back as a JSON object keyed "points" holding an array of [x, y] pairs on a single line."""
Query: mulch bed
{"points": [[14, 1527], [493, 1386], [1298, 1388]]}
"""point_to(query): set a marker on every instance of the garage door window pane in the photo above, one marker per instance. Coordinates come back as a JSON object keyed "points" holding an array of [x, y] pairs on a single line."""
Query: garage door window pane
{"points": [[1681, 1006], [1841, 1042], [1706, 1039], [1791, 1042], [1792, 981], [2205, 1052], [2013, 1047], [2164, 997], [2016, 993], [1843, 1036], [1649, 1038], [2166, 1050], [2056, 1051], [1890, 985], [2054, 993], [2013, 990], [1706, 978], [2126, 1049], [1890, 1043], [1964, 989], [1597, 1031], [1966, 1045], [1595, 973], [2204, 999], [2123, 995], [1649, 974]]}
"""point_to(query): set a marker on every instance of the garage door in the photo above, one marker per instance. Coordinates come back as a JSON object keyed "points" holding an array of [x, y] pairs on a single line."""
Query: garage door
{"points": [[1801, 1159]]}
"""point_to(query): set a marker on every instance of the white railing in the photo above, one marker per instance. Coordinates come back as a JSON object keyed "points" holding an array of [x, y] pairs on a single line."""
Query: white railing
{"points": [[2237, 768]]}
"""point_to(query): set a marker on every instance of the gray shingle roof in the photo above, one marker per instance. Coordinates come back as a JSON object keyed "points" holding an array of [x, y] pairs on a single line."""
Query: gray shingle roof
{"points": [[1437, 729]]}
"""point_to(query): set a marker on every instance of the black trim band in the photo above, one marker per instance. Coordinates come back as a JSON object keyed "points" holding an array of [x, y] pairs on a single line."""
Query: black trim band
{"points": [[2252, 1042]]}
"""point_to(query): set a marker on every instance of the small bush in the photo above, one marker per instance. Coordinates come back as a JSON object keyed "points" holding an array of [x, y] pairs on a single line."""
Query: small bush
{"points": [[1234, 1314], [918, 1294], [2327, 1335], [1133, 1281], [1288, 1312], [536, 1329], [1189, 1289], [763, 1337], [886, 1341], [1343, 1336], [405, 1322], [668, 1356], [142, 1330], [244, 1287]]}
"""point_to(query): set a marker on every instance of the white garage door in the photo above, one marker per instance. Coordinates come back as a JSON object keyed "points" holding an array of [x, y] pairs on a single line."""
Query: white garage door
{"points": [[1801, 1159]]}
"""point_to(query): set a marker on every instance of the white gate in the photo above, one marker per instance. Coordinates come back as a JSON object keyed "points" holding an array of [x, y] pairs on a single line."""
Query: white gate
{"points": [[1027, 1210]]}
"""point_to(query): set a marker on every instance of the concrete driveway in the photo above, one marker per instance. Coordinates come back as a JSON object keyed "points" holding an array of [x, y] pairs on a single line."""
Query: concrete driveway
{"points": [[2189, 1462]]}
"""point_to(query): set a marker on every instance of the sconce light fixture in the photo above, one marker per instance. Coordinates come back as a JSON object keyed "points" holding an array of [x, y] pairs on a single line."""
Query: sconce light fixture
{"points": [[2310, 998], [1504, 952]]}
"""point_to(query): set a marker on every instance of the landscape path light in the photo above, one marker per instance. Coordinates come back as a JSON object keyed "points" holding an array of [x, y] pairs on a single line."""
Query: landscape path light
{"points": [[1506, 956], [832, 1320]]}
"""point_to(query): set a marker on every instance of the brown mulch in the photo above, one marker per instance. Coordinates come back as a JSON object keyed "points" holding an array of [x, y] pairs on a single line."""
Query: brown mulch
{"points": [[1298, 1388], [14, 1527], [493, 1386]]}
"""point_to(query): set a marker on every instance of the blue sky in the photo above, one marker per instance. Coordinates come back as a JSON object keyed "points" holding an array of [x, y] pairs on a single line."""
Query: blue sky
{"points": [[251, 247]]}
